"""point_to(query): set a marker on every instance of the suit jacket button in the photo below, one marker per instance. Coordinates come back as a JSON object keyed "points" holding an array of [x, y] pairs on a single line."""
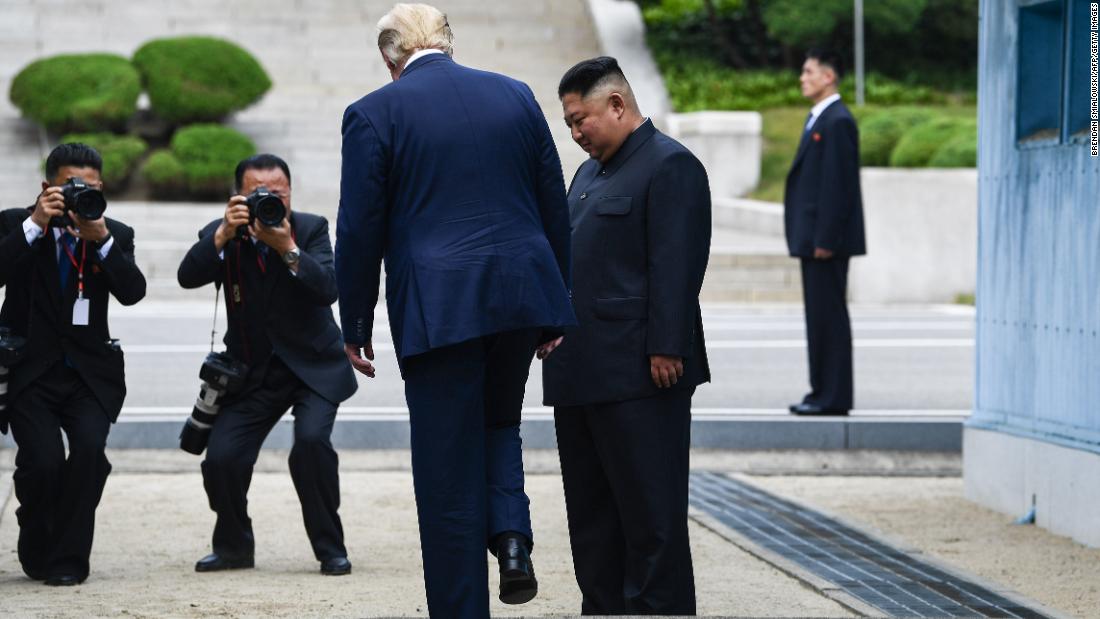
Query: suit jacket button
{"points": [[584, 195]]}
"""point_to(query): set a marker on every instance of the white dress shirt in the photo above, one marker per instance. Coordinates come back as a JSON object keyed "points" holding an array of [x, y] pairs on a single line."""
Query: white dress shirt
{"points": [[420, 54], [819, 108], [32, 232]]}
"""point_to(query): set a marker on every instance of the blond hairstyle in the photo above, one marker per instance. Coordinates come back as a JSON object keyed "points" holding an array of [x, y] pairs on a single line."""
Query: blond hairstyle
{"points": [[411, 27]]}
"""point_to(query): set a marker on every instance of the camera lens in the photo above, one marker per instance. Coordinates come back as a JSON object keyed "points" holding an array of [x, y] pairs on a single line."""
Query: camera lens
{"points": [[90, 204], [270, 211]]}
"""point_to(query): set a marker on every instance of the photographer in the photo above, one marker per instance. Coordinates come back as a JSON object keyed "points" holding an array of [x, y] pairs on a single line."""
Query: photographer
{"points": [[60, 259], [279, 286]]}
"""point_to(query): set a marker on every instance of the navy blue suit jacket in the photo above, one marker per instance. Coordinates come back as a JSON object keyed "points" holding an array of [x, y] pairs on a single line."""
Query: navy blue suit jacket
{"points": [[450, 174], [823, 206]]}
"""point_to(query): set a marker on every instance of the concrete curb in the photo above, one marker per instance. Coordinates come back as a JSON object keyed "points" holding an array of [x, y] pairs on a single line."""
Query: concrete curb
{"points": [[751, 433]]}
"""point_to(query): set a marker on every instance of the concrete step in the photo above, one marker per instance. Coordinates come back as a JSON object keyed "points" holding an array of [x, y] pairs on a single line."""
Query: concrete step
{"points": [[749, 216]]}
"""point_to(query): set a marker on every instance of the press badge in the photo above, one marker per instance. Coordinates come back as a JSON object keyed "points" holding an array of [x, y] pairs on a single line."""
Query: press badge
{"points": [[80, 312]]}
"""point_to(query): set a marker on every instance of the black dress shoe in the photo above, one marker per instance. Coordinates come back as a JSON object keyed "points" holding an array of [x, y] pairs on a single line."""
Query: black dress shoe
{"points": [[215, 562], [814, 409], [64, 580], [34, 574], [337, 566], [517, 573]]}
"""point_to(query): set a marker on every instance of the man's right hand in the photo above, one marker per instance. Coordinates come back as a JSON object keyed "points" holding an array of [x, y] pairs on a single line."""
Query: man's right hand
{"points": [[361, 357], [50, 204], [236, 215]]}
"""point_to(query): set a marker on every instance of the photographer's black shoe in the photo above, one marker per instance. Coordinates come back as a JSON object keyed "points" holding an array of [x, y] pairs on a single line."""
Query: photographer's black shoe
{"points": [[214, 562], [337, 566], [64, 580], [517, 573]]}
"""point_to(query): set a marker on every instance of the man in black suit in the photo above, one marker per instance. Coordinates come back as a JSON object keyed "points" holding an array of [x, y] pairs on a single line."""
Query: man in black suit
{"points": [[59, 270], [621, 382], [279, 285], [823, 213]]}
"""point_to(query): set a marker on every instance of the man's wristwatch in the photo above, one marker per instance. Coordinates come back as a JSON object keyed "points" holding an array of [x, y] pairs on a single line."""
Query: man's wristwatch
{"points": [[292, 257]]}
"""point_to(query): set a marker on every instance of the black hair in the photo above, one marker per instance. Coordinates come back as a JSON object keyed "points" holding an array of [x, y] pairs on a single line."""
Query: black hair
{"points": [[585, 75], [829, 58], [72, 154], [263, 161]]}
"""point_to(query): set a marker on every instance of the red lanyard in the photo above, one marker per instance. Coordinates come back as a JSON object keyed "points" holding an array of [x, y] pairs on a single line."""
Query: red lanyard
{"points": [[79, 268]]}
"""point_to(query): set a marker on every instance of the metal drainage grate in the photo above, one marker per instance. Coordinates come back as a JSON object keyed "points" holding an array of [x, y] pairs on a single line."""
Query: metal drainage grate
{"points": [[877, 574]]}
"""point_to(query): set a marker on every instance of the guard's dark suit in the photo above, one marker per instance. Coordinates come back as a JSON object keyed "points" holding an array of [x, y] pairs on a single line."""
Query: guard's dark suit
{"points": [[641, 240], [281, 325], [823, 208], [71, 379]]}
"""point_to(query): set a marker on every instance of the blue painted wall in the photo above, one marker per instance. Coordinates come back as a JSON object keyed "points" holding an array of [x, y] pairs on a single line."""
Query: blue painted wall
{"points": [[1038, 314]]}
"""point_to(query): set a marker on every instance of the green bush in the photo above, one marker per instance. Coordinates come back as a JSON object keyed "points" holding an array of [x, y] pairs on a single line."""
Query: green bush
{"points": [[120, 155], [165, 175], [918, 145], [696, 84], [81, 92], [960, 151], [208, 155], [880, 131], [199, 79]]}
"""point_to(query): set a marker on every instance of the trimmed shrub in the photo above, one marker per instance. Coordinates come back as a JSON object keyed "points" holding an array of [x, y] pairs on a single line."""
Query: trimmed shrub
{"points": [[880, 132], [199, 79], [696, 84], [165, 174], [917, 145], [208, 155], [77, 92], [960, 151], [120, 155]]}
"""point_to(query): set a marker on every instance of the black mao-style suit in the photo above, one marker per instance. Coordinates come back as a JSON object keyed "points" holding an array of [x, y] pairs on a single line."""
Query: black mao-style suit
{"points": [[72, 378], [641, 240], [823, 209], [281, 325]]}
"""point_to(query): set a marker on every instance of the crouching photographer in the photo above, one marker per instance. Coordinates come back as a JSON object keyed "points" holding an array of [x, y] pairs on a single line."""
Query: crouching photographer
{"points": [[275, 267], [61, 260]]}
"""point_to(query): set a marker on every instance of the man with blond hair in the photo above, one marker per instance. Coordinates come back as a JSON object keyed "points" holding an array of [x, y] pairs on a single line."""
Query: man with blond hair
{"points": [[451, 175]]}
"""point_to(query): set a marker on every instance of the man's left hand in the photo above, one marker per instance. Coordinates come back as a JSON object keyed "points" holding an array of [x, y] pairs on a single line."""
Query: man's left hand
{"points": [[665, 370], [278, 239], [94, 230], [820, 253]]}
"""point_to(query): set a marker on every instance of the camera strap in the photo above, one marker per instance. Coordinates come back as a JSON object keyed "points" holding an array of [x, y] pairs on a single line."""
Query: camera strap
{"points": [[214, 326]]}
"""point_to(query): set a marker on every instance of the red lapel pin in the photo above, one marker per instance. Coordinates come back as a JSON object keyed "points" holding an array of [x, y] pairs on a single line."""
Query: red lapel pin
{"points": [[817, 136]]}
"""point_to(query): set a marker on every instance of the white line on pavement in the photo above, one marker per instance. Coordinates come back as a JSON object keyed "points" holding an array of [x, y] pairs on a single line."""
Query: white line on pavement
{"points": [[154, 349], [152, 413]]}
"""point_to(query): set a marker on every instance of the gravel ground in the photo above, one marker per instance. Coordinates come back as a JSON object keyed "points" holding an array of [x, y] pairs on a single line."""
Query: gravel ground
{"points": [[153, 523], [931, 514]]}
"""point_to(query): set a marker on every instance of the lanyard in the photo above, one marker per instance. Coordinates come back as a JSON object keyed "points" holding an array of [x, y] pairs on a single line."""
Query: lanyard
{"points": [[79, 268]]}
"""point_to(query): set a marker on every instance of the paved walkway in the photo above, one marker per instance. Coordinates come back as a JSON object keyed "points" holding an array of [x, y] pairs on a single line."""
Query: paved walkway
{"points": [[153, 523]]}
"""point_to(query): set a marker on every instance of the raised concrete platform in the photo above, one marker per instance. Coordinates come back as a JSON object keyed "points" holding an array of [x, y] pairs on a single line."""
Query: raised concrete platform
{"points": [[720, 429]]}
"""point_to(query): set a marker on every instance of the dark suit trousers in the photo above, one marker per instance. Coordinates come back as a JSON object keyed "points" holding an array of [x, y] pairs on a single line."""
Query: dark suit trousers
{"points": [[625, 470], [58, 496], [828, 332], [464, 411], [235, 440]]}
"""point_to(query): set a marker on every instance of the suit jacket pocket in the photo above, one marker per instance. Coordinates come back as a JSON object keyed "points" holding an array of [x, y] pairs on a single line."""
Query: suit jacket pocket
{"points": [[613, 205], [325, 340], [623, 308]]}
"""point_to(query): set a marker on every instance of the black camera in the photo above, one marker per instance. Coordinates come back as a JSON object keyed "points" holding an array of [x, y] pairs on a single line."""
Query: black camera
{"points": [[82, 199], [266, 207], [220, 375], [12, 348]]}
